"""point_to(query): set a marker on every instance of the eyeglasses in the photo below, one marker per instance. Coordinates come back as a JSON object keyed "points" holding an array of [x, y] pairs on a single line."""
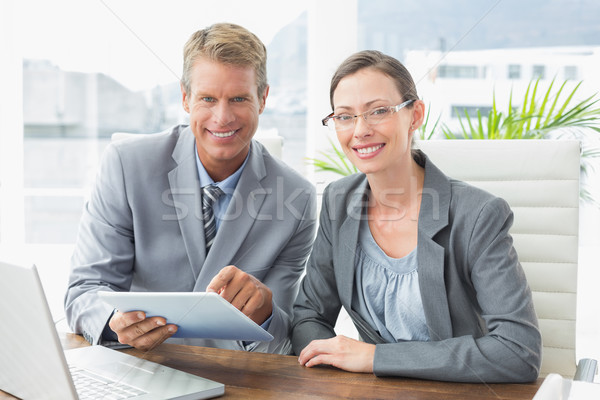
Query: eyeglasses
{"points": [[345, 122]]}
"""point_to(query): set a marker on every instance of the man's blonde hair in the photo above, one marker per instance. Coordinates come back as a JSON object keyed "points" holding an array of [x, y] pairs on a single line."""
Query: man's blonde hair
{"points": [[228, 44]]}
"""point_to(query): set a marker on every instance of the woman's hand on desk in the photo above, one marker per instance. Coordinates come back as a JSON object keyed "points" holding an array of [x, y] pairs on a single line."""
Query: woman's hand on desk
{"points": [[134, 329], [341, 352]]}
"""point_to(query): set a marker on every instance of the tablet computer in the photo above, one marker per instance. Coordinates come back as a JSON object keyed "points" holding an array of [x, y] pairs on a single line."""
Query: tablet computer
{"points": [[197, 314]]}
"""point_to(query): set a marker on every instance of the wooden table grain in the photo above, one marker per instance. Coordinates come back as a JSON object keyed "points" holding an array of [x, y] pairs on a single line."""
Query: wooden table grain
{"points": [[270, 376]]}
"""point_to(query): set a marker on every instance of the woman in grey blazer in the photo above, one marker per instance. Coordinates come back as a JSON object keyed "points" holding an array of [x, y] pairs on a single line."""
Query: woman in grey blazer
{"points": [[423, 264]]}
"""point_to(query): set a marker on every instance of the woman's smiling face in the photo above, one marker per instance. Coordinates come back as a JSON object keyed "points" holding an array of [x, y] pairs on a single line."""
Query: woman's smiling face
{"points": [[373, 148]]}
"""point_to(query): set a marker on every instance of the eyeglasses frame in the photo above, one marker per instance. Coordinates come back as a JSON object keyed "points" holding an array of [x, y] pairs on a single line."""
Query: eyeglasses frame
{"points": [[394, 110]]}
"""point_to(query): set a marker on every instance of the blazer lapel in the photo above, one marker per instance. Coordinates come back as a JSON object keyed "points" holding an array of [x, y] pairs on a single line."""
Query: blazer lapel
{"points": [[185, 192], [243, 210], [348, 240], [345, 256], [433, 217]]}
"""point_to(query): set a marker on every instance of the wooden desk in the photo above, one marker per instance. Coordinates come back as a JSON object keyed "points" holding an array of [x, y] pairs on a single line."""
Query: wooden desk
{"points": [[270, 376]]}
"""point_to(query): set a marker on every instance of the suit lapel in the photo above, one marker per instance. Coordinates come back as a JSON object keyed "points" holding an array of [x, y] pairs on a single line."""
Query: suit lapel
{"points": [[185, 192], [433, 217], [346, 254], [243, 210], [348, 241]]}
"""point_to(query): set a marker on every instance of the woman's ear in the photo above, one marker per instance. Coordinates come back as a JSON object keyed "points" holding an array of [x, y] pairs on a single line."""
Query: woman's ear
{"points": [[418, 114]]}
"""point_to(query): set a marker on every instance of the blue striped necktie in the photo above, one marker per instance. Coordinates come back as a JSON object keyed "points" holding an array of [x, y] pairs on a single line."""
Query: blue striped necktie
{"points": [[210, 194]]}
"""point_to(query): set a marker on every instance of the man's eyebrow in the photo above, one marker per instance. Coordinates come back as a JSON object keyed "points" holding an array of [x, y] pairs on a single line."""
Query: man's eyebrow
{"points": [[200, 94], [245, 95], [207, 94]]}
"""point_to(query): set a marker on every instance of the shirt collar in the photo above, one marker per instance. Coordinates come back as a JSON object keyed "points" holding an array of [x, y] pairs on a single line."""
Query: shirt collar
{"points": [[228, 184]]}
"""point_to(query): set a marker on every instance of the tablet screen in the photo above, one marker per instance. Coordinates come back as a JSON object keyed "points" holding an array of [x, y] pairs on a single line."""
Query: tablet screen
{"points": [[197, 314]]}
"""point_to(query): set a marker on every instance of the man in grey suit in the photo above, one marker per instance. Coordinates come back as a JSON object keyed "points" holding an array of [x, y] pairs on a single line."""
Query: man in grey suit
{"points": [[158, 200]]}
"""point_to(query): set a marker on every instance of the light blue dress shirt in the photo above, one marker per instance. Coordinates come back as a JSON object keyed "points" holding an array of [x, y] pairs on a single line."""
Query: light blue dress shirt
{"points": [[227, 186], [387, 293]]}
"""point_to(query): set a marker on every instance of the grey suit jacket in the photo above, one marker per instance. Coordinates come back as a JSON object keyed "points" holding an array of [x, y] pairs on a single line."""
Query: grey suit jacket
{"points": [[142, 230], [477, 302]]}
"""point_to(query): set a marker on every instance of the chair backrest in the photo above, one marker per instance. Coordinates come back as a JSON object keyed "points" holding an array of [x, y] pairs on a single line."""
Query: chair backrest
{"points": [[540, 181], [273, 143]]}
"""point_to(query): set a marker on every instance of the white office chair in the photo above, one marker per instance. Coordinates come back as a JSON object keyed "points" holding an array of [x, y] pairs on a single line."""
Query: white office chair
{"points": [[273, 143], [540, 181]]}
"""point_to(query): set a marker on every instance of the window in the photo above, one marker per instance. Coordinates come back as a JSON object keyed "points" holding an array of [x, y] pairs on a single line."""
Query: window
{"points": [[539, 72], [571, 72], [514, 71], [459, 111], [458, 71], [70, 111]]}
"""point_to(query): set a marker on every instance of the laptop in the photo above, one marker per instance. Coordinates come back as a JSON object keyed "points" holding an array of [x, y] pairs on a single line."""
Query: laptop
{"points": [[33, 364]]}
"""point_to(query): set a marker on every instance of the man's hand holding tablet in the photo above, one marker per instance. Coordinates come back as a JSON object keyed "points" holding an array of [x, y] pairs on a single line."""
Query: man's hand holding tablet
{"points": [[134, 329], [144, 320]]}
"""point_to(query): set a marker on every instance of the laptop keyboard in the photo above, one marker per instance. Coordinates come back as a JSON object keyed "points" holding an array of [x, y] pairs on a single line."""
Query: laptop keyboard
{"points": [[92, 386]]}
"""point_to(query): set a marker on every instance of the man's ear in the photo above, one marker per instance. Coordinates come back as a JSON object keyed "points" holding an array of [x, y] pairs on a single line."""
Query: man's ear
{"points": [[263, 100], [184, 98]]}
